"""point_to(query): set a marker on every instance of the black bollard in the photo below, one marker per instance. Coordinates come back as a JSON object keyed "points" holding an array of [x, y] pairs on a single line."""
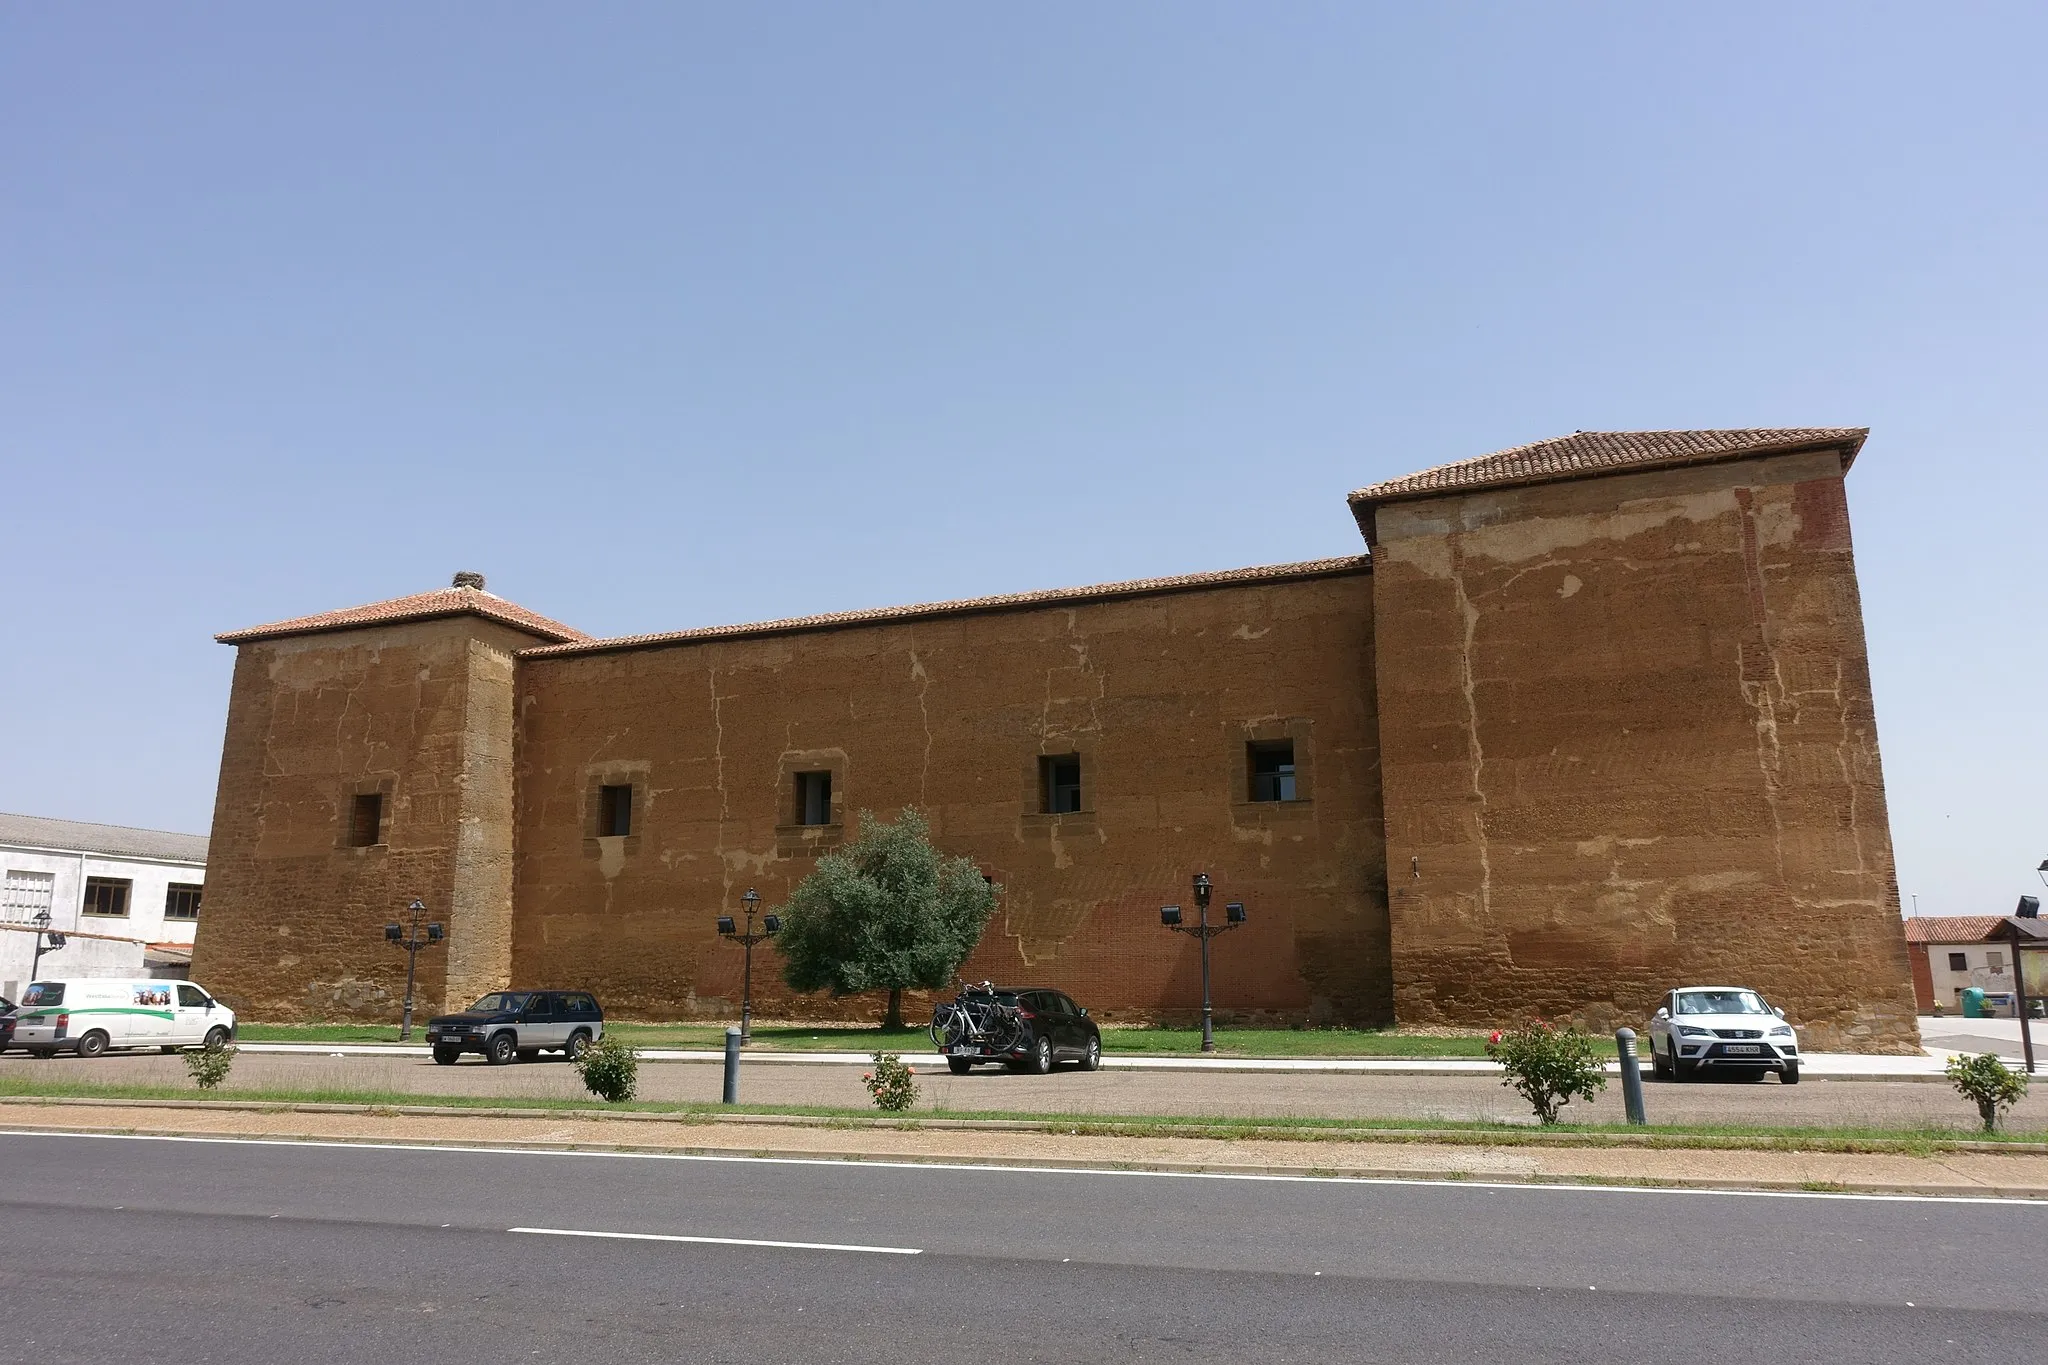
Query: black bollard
{"points": [[1631, 1074], [732, 1066]]}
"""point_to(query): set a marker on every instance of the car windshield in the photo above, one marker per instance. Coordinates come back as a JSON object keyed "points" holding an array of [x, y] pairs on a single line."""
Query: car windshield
{"points": [[43, 993], [499, 1002], [1721, 1002]]}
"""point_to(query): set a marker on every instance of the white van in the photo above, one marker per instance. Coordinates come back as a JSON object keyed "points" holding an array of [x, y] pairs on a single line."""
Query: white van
{"points": [[90, 1016]]}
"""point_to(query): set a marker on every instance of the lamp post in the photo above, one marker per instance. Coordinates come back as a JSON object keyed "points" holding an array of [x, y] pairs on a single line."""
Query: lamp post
{"points": [[412, 943], [1233, 918], [45, 935], [771, 925]]}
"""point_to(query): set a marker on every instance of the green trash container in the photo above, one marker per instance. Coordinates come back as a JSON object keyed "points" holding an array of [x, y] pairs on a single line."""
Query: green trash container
{"points": [[1973, 1002]]}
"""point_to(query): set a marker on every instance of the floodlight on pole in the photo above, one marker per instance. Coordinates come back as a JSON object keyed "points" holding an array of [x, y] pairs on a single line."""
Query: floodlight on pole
{"points": [[729, 929], [1202, 930]]}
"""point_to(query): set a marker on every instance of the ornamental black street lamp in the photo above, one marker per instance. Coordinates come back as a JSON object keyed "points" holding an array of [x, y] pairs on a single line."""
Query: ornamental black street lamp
{"points": [[48, 940], [412, 944], [771, 925], [1233, 917]]}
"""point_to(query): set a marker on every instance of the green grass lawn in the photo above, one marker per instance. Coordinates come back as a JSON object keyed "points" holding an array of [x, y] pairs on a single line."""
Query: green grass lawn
{"points": [[1143, 1041], [1908, 1140]]}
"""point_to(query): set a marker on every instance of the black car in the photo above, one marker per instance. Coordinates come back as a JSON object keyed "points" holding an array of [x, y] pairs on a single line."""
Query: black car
{"points": [[6, 1023], [1033, 1028], [522, 1024]]}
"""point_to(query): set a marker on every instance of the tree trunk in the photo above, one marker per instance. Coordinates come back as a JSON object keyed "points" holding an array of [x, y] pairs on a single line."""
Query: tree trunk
{"points": [[894, 1018]]}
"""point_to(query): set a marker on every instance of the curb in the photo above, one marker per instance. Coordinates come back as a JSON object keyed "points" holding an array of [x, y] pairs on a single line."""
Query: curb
{"points": [[1086, 1125], [1364, 1173]]}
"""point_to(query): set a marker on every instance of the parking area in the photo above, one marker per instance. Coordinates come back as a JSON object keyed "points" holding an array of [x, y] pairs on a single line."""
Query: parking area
{"points": [[1830, 1103]]}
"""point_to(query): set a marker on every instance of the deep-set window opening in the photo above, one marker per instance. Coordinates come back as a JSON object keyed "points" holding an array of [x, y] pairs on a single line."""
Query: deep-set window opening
{"points": [[366, 820], [614, 811], [1060, 783], [814, 798], [1272, 768]]}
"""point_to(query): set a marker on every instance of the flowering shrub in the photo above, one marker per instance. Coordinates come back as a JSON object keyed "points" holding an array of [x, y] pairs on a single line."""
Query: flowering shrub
{"points": [[1549, 1067], [890, 1083], [1988, 1081], [209, 1066], [610, 1070]]}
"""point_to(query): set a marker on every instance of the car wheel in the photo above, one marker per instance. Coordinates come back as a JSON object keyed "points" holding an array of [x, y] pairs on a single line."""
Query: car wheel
{"points": [[447, 1056], [1790, 1075], [1680, 1069], [92, 1044], [501, 1050], [959, 1066], [216, 1038], [529, 1054], [42, 1053], [1040, 1061], [579, 1043]]}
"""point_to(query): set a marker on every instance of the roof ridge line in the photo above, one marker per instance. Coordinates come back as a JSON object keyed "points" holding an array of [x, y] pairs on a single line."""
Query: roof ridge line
{"points": [[1018, 601]]}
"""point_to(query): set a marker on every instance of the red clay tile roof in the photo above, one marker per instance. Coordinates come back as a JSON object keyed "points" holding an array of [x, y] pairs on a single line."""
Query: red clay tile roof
{"points": [[1602, 452], [1273, 573], [1950, 928], [464, 601]]}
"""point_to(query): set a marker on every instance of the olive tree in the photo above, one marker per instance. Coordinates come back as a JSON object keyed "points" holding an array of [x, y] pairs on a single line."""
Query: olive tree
{"points": [[886, 912]]}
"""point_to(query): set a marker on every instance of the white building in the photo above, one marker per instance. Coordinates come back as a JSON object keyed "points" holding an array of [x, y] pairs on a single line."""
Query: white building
{"points": [[127, 900], [1949, 953]]}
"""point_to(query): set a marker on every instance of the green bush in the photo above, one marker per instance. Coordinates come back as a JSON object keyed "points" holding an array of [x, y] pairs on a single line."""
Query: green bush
{"points": [[890, 1083], [610, 1070], [1989, 1082], [1549, 1067], [209, 1067]]}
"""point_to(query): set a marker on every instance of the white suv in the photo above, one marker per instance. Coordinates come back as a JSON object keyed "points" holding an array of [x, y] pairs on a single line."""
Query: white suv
{"points": [[1725, 1029]]}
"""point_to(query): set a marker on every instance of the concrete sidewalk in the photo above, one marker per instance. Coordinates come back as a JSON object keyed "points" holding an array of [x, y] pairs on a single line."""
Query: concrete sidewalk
{"points": [[1965, 1174], [1815, 1066]]}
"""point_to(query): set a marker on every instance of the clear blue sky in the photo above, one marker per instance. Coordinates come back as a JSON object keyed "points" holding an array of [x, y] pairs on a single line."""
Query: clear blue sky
{"points": [[670, 315]]}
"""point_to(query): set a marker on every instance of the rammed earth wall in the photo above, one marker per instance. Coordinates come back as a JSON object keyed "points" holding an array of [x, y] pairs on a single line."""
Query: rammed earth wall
{"points": [[419, 713], [1158, 695], [1629, 742], [1594, 720]]}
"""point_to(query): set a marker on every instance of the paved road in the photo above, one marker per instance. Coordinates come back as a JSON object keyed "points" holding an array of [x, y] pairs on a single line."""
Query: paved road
{"points": [[125, 1249], [1832, 1103]]}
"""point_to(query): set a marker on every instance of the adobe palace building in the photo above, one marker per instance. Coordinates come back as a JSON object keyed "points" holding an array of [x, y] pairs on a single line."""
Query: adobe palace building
{"points": [[1587, 719]]}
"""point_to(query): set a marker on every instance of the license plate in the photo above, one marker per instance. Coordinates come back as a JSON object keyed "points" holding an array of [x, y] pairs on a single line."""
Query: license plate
{"points": [[963, 1052], [1742, 1047]]}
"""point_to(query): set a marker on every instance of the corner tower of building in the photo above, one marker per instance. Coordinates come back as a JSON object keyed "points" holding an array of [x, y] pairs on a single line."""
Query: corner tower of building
{"points": [[367, 761], [1627, 738]]}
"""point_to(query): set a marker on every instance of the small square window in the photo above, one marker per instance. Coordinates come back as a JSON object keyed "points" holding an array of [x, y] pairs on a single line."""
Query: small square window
{"points": [[1958, 962], [614, 811], [814, 798], [1272, 769], [181, 901], [106, 896], [366, 820], [1995, 961], [1060, 784]]}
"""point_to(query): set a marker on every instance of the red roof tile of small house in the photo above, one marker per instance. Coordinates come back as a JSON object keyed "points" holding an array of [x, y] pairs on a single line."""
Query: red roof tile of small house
{"points": [[1951, 928]]}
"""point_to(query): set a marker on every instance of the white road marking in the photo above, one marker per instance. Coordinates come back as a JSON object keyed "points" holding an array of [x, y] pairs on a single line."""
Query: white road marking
{"points": [[721, 1241], [1562, 1186]]}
